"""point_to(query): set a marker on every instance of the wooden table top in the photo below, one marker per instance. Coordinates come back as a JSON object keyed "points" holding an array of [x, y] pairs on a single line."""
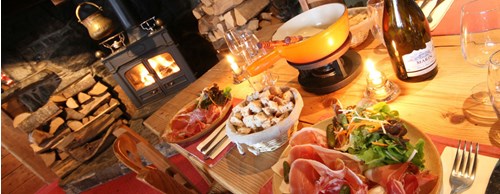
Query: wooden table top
{"points": [[439, 106]]}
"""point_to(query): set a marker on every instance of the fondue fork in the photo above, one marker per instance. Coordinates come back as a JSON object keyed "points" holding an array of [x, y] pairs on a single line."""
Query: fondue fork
{"points": [[209, 152]]}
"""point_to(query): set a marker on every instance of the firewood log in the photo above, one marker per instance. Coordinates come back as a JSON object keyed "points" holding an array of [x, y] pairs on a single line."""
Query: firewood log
{"points": [[71, 103], [55, 124], [83, 98], [98, 89]]}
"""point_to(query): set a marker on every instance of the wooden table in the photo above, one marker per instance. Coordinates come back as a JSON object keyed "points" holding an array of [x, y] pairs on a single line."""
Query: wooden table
{"points": [[437, 107]]}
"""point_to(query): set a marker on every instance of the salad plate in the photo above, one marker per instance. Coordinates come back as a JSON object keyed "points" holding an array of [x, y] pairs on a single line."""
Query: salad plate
{"points": [[431, 155], [199, 116]]}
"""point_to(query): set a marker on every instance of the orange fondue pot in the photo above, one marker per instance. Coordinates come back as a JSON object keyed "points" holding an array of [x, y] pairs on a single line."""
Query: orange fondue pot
{"points": [[322, 42]]}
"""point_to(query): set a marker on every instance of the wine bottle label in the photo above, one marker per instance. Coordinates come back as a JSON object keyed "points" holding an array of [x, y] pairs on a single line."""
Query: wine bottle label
{"points": [[421, 61]]}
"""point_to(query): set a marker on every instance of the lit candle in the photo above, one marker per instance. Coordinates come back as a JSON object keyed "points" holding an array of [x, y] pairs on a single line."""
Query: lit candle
{"points": [[379, 87], [375, 77], [234, 66]]}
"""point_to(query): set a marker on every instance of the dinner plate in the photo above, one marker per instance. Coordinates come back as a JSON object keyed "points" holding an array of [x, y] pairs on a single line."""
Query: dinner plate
{"points": [[432, 157], [211, 127]]}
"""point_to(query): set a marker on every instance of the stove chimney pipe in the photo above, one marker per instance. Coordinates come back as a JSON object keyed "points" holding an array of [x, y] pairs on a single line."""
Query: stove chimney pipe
{"points": [[124, 15]]}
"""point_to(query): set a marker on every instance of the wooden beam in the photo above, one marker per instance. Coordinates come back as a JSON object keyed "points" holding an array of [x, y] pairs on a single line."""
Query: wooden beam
{"points": [[16, 142]]}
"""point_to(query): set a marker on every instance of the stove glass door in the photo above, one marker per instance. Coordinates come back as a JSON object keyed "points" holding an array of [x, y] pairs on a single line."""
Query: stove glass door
{"points": [[139, 77], [164, 65]]}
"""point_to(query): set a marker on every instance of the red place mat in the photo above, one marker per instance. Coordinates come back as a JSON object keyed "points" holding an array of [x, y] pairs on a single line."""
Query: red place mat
{"points": [[453, 16]]}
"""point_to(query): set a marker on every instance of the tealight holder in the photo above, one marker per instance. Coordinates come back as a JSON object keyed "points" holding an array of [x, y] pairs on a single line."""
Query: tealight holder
{"points": [[238, 70], [379, 88]]}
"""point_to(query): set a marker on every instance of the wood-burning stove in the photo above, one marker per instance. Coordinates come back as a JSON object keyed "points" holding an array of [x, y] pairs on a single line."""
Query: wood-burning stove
{"points": [[150, 68], [148, 65]]}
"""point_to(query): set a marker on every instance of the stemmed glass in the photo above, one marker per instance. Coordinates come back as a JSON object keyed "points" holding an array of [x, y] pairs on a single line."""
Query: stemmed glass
{"points": [[479, 38], [244, 43], [494, 81]]}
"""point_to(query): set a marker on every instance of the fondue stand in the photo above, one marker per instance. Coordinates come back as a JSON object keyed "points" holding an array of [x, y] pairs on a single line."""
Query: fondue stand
{"points": [[331, 72]]}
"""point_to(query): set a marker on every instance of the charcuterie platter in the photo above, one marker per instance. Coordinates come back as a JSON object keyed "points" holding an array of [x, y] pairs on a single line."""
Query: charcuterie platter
{"points": [[355, 165], [199, 116]]}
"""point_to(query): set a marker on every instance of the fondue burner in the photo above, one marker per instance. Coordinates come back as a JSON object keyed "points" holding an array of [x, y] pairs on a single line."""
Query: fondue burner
{"points": [[331, 72]]}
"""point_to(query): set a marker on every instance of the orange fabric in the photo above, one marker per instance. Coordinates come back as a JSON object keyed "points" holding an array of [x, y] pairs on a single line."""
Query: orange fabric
{"points": [[450, 24]]}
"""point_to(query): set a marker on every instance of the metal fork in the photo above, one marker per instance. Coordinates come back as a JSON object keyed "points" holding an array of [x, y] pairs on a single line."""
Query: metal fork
{"points": [[462, 177], [429, 18]]}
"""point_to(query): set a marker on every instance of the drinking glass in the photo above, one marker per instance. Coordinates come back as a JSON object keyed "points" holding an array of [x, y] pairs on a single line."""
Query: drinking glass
{"points": [[375, 12], [245, 44], [494, 81], [480, 31], [480, 37]]}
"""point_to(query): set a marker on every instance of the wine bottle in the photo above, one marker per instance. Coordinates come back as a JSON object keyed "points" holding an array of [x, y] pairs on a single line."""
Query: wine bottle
{"points": [[408, 40]]}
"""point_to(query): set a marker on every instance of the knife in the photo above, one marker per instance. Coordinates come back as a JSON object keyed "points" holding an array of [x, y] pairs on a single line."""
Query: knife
{"points": [[494, 182], [207, 145], [209, 152]]}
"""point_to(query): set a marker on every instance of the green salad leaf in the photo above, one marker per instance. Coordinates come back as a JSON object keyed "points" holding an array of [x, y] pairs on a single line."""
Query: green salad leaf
{"points": [[214, 95], [376, 136]]}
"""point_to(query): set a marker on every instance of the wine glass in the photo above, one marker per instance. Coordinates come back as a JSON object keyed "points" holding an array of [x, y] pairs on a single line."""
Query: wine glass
{"points": [[494, 81], [480, 37], [245, 44]]}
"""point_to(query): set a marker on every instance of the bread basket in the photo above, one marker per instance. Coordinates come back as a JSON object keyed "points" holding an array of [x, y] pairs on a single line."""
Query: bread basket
{"points": [[270, 138]]}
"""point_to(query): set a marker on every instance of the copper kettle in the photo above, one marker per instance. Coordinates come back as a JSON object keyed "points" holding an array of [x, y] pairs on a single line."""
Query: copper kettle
{"points": [[97, 25]]}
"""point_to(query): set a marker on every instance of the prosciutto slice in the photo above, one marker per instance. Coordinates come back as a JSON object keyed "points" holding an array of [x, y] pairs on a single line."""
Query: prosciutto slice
{"points": [[309, 135], [402, 178], [310, 176], [191, 121], [324, 155]]}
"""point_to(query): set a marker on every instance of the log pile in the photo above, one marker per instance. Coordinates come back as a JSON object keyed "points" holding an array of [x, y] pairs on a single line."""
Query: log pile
{"points": [[74, 125], [217, 16]]}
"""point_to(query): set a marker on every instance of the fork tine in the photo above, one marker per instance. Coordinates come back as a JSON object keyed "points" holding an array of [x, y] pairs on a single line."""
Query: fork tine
{"points": [[473, 173], [455, 164], [461, 168], [467, 166]]}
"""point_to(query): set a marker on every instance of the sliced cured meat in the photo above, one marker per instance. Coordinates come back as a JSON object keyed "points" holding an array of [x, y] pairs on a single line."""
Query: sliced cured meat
{"points": [[309, 135], [198, 115], [310, 176], [325, 156], [213, 113], [402, 178]]}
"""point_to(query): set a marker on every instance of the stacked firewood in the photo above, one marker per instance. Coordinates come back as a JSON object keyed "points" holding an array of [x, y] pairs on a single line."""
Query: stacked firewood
{"points": [[73, 126], [217, 16]]}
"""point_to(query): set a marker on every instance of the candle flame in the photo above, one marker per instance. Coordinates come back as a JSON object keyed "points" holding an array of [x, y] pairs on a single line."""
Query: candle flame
{"points": [[373, 74], [234, 66]]}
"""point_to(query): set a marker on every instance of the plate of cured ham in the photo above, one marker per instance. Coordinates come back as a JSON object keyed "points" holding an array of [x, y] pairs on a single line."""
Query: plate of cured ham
{"points": [[314, 162], [199, 116]]}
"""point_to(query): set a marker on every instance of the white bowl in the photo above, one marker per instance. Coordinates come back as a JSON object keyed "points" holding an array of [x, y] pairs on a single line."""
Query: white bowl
{"points": [[270, 138], [359, 29]]}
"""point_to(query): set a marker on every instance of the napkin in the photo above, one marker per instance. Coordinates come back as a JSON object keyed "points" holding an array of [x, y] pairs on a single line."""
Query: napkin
{"points": [[220, 132], [485, 166], [438, 14]]}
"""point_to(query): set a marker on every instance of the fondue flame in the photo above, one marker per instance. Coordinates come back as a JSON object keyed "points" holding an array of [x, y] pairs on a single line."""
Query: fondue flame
{"points": [[234, 66]]}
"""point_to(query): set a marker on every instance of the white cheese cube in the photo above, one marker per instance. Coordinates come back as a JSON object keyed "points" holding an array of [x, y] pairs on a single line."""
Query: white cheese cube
{"points": [[249, 121], [288, 96], [244, 130], [236, 121], [275, 90], [255, 106], [273, 106], [245, 111], [267, 123], [259, 119]]}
